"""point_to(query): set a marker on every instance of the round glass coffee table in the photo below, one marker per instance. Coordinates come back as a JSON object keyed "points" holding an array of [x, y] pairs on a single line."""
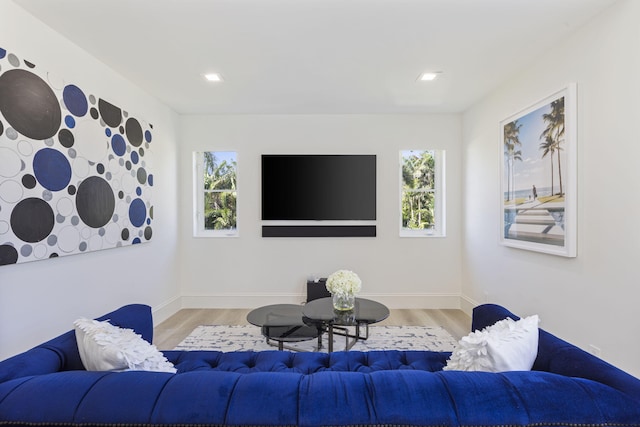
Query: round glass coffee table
{"points": [[282, 323], [365, 312]]}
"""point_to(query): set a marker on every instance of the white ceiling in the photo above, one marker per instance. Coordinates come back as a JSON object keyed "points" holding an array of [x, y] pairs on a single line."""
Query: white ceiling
{"points": [[316, 56]]}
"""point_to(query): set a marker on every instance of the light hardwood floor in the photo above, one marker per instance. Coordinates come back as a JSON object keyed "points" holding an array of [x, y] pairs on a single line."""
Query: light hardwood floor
{"points": [[172, 331]]}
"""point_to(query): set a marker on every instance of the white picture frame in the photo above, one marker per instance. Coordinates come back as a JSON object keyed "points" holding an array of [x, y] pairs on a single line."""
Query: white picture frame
{"points": [[538, 176]]}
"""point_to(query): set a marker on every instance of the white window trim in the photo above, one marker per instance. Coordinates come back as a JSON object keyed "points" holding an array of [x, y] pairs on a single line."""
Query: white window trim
{"points": [[198, 199], [439, 189]]}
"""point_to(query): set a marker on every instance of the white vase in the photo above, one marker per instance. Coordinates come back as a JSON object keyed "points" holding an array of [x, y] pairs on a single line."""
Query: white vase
{"points": [[343, 302]]}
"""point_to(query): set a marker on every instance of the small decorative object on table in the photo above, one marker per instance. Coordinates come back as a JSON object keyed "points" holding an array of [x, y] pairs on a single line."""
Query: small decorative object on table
{"points": [[344, 285]]}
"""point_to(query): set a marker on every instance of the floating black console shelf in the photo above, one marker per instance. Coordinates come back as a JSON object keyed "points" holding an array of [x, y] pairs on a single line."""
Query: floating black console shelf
{"points": [[318, 231]]}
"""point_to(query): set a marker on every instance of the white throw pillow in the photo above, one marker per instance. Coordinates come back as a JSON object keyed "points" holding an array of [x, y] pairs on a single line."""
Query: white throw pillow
{"points": [[508, 345], [104, 347]]}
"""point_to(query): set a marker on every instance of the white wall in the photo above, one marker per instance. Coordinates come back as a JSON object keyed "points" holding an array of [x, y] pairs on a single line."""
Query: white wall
{"points": [[250, 270], [39, 300], [591, 299]]}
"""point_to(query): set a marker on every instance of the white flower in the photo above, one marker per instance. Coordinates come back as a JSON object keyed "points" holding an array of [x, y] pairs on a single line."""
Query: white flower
{"points": [[344, 282]]}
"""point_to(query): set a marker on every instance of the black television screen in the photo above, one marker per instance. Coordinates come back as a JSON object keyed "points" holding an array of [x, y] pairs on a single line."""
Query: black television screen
{"points": [[318, 187]]}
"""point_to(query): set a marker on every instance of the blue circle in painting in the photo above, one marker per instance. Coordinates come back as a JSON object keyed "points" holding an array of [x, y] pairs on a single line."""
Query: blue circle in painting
{"points": [[136, 241], [150, 179], [107, 132], [134, 157], [75, 100], [137, 212], [70, 122], [139, 191], [3, 53], [52, 169], [147, 136], [118, 144]]}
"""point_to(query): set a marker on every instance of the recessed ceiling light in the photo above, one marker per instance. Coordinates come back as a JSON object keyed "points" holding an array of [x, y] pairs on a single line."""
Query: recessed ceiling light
{"points": [[429, 76], [213, 77]]}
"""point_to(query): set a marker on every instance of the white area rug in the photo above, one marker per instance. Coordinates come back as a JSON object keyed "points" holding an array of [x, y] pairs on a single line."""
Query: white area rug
{"points": [[241, 337]]}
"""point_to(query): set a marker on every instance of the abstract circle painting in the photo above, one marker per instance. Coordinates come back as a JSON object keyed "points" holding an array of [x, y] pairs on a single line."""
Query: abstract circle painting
{"points": [[75, 170]]}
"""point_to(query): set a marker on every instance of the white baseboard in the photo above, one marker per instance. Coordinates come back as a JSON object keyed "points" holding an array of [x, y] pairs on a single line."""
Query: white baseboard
{"points": [[163, 311], [394, 301], [432, 301], [467, 305]]}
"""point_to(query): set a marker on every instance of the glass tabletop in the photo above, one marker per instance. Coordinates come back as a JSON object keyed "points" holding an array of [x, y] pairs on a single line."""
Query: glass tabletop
{"points": [[282, 323], [365, 312], [276, 315]]}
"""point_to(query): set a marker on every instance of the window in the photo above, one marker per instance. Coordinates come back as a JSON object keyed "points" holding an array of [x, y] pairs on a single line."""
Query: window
{"points": [[422, 193], [216, 194]]}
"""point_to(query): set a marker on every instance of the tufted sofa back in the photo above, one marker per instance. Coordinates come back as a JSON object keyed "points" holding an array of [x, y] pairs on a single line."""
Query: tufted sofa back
{"points": [[47, 386], [61, 353], [307, 363], [560, 357]]}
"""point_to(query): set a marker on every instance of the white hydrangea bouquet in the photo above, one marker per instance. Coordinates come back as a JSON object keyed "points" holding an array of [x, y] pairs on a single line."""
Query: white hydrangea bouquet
{"points": [[344, 285], [344, 282]]}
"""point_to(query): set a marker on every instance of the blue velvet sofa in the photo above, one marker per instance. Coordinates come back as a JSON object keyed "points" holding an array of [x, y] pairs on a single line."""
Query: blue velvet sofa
{"points": [[47, 386]]}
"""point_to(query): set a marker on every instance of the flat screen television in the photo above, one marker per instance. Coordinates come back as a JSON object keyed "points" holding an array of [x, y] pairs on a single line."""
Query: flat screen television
{"points": [[318, 187]]}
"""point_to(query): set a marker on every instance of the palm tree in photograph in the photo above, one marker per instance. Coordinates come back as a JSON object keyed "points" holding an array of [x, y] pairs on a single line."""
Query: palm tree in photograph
{"points": [[512, 153], [554, 133], [549, 147]]}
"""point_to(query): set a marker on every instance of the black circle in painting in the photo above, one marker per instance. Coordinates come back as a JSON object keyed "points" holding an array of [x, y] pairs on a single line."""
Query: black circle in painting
{"points": [[1, 128], [66, 138], [142, 176], [94, 114], [29, 104], [111, 114], [95, 202], [134, 132], [29, 181], [125, 234], [71, 190], [32, 220], [147, 233], [8, 255]]}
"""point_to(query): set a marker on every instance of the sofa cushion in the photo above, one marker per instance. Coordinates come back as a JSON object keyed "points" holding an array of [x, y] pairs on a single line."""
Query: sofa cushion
{"points": [[105, 347], [508, 345], [396, 397]]}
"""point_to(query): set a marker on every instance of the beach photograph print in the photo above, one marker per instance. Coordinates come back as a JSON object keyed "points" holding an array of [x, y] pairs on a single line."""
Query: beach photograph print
{"points": [[539, 176]]}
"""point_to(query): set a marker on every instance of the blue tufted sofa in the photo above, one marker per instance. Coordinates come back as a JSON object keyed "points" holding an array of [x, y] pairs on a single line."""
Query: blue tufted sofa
{"points": [[47, 386]]}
